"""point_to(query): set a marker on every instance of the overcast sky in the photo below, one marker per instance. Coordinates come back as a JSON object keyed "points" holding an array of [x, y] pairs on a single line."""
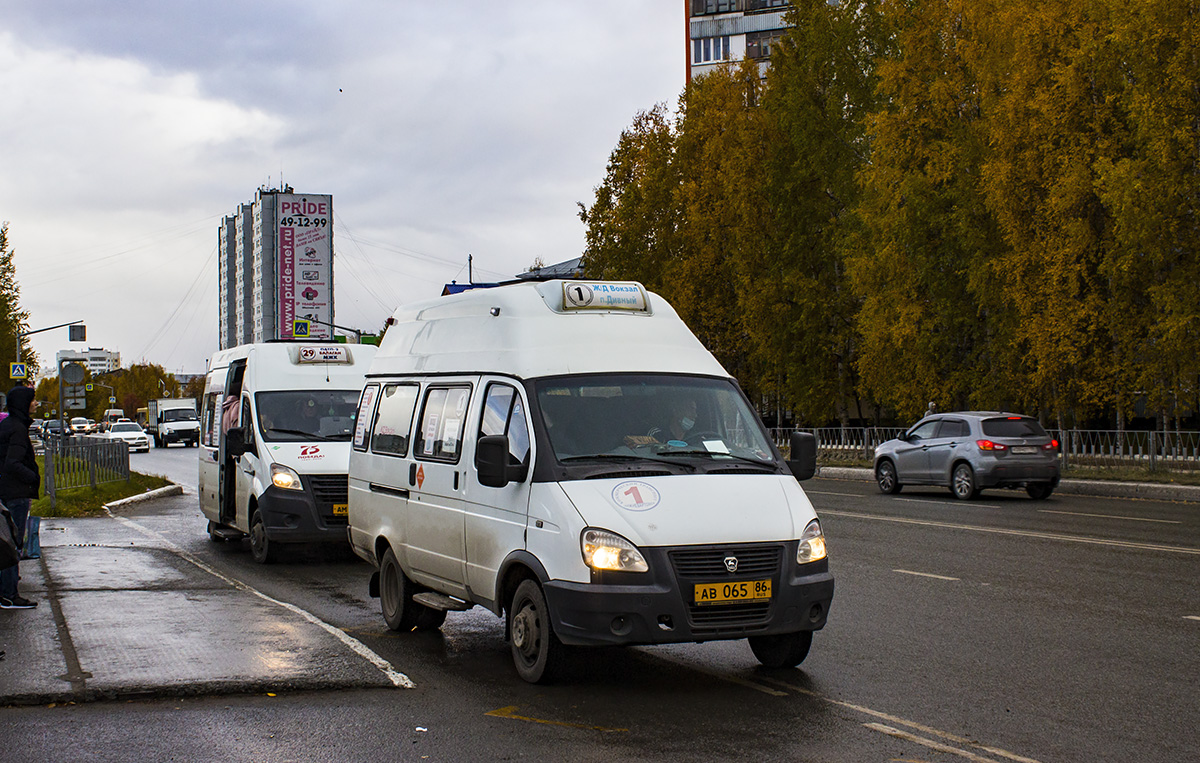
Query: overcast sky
{"points": [[128, 129]]}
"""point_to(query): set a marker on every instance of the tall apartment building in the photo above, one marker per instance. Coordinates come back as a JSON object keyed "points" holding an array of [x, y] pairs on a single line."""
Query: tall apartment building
{"points": [[276, 266], [720, 31], [96, 359]]}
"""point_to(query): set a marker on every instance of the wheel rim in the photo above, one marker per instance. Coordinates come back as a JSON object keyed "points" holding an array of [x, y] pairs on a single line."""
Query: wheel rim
{"points": [[526, 632], [886, 477], [962, 482], [389, 595]]}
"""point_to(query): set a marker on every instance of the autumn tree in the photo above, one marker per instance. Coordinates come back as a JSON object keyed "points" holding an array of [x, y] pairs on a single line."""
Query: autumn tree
{"points": [[13, 319]]}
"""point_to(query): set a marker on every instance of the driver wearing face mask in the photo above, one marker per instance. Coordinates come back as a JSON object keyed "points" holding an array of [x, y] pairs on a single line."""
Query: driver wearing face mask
{"points": [[683, 420]]}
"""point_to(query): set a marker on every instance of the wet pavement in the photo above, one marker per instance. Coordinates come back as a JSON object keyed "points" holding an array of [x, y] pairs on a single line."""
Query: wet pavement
{"points": [[124, 613]]}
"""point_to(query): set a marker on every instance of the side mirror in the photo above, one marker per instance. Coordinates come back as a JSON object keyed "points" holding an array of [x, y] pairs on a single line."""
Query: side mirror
{"points": [[491, 461], [803, 462], [235, 442]]}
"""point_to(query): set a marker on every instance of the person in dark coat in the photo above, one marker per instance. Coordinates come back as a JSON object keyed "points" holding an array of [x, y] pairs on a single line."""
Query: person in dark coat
{"points": [[19, 482]]}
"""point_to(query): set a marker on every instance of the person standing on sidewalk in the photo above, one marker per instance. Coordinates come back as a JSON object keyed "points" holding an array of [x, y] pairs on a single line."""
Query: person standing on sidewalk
{"points": [[19, 482]]}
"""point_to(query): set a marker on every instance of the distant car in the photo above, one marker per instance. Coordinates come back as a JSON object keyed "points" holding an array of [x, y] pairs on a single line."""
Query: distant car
{"points": [[131, 433], [53, 428], [970, 451], [79, 425], [92, 426]]}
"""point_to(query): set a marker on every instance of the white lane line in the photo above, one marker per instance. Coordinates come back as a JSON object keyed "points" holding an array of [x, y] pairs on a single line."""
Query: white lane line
{"points": [[928, 743], [398, 679], [902, 722], [925, 575], [949, 502], [1191, 617], [1019, 533], [1111, 516]]}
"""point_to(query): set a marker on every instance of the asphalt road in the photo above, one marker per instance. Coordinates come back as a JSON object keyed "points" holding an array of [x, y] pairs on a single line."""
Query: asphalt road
{"points": [[997, 630]]}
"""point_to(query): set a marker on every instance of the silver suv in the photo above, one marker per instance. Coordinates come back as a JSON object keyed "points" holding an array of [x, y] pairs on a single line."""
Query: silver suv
{"points": [[970, 451]]}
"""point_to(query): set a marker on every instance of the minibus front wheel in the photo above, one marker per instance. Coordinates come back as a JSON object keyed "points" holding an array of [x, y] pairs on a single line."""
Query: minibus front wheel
{"points": [[786, 650], [537, 653]]}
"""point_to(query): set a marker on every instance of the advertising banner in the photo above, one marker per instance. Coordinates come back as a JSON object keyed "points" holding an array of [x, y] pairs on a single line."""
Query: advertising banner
{"points": [[305, 267]]}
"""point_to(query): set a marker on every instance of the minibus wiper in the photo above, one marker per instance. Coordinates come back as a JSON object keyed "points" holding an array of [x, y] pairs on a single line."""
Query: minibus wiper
{"points": [[615, 457], [714, 453], [300, 432]]}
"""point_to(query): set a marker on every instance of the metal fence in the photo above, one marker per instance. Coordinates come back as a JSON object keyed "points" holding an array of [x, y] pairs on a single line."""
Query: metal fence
{"points": [[73, 462], [1099, 448]]}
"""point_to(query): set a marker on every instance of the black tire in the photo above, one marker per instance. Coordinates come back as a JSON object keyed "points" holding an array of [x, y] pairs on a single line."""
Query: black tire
{"points": [[962, 482], [886, 478], [399, 610], [1039, 492], [537, 653], [262, 548], [786, 650]]}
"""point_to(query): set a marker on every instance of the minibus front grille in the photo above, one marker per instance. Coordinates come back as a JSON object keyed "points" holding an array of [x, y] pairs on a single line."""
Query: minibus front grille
{"points": [[327, 490], [714, 620], [709, 563]]}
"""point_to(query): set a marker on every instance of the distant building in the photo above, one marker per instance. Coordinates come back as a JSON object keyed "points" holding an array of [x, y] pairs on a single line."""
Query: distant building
{"points": [[97, 360], [275, 267], [721, 31]]}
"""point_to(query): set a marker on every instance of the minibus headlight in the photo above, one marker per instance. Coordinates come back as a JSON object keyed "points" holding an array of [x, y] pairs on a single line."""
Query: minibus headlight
{"points": [[285, 477], [812, 544], [603, 550]]}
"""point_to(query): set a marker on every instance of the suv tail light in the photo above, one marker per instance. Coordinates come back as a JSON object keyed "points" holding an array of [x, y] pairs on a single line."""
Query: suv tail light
{"points": [[989, 445], [1052, 445]]}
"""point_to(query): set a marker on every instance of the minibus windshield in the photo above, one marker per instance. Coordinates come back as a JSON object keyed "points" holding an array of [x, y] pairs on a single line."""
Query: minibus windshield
{"points": [[291, 415], [649, 416]]}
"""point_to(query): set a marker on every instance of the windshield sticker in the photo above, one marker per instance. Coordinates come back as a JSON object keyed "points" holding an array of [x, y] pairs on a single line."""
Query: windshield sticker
{"points": [[716, 446], [635, 496]]}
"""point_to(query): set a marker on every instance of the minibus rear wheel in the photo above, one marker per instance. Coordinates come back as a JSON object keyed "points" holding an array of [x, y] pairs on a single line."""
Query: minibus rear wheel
{"points": [[400, 612], [786, 650]]}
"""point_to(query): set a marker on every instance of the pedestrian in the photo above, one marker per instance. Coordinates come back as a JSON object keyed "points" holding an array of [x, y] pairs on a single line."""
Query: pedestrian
{"points": [[932, 409], [19, 482]]}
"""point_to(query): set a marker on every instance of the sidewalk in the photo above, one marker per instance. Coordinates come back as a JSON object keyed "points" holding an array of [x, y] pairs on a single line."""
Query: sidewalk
{"points": [[123, 614], [1100, 488]]}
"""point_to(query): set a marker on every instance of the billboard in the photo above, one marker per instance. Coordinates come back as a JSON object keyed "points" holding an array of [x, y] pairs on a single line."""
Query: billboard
{"points": [[304, 288]]}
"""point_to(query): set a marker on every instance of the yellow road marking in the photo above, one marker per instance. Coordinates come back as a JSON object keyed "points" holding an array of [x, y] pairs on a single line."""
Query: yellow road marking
{"points": [[510, 712]]}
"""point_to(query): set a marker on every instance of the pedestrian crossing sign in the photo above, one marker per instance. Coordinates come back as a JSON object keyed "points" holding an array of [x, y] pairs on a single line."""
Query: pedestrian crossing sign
{"points": [[301, 328], [91, 387], [17, 371]]}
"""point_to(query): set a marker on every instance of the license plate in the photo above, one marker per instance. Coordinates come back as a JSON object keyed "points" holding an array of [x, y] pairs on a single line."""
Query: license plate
{"points": [[732, 593], [1024, 450], [341, 509]]}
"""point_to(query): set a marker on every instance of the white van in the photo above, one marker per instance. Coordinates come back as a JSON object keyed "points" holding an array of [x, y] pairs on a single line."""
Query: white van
{"points": [[568, 455], [273, 463]]}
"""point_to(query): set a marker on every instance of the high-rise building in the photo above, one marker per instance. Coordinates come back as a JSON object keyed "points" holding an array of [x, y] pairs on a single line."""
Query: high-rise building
{"points": [[276, 268], [720, 31], [96, 359]]}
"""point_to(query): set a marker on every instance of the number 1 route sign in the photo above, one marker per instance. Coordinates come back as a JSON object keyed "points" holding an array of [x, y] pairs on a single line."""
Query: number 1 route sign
{"points": [[17, 371]]}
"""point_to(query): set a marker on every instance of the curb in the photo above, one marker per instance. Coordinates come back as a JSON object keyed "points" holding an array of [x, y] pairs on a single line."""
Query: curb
{"points": [[149, 495], [1099, 488]]}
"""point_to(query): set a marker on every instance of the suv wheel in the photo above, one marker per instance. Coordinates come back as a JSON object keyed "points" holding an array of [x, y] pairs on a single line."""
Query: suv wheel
{"points": [[962, 483], [885, 477]]}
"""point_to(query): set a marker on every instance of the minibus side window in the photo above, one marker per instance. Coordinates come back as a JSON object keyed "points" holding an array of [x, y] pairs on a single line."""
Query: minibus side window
{"points": [[393, 421], [211, 428], [443, 419], [504, 413], [362, 419]]}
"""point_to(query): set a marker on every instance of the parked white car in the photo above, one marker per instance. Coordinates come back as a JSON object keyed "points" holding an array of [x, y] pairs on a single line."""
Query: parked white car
{"points": [[131, 433]]}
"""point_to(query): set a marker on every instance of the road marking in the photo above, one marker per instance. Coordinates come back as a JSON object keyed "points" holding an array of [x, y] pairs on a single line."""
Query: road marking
{"points": [[509, 712], [1191, 617], [951, 502], [902, 722], [928, 743], [925, 574], [714, 674], [1019, 533], [1112, 516], [398, 679]]}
